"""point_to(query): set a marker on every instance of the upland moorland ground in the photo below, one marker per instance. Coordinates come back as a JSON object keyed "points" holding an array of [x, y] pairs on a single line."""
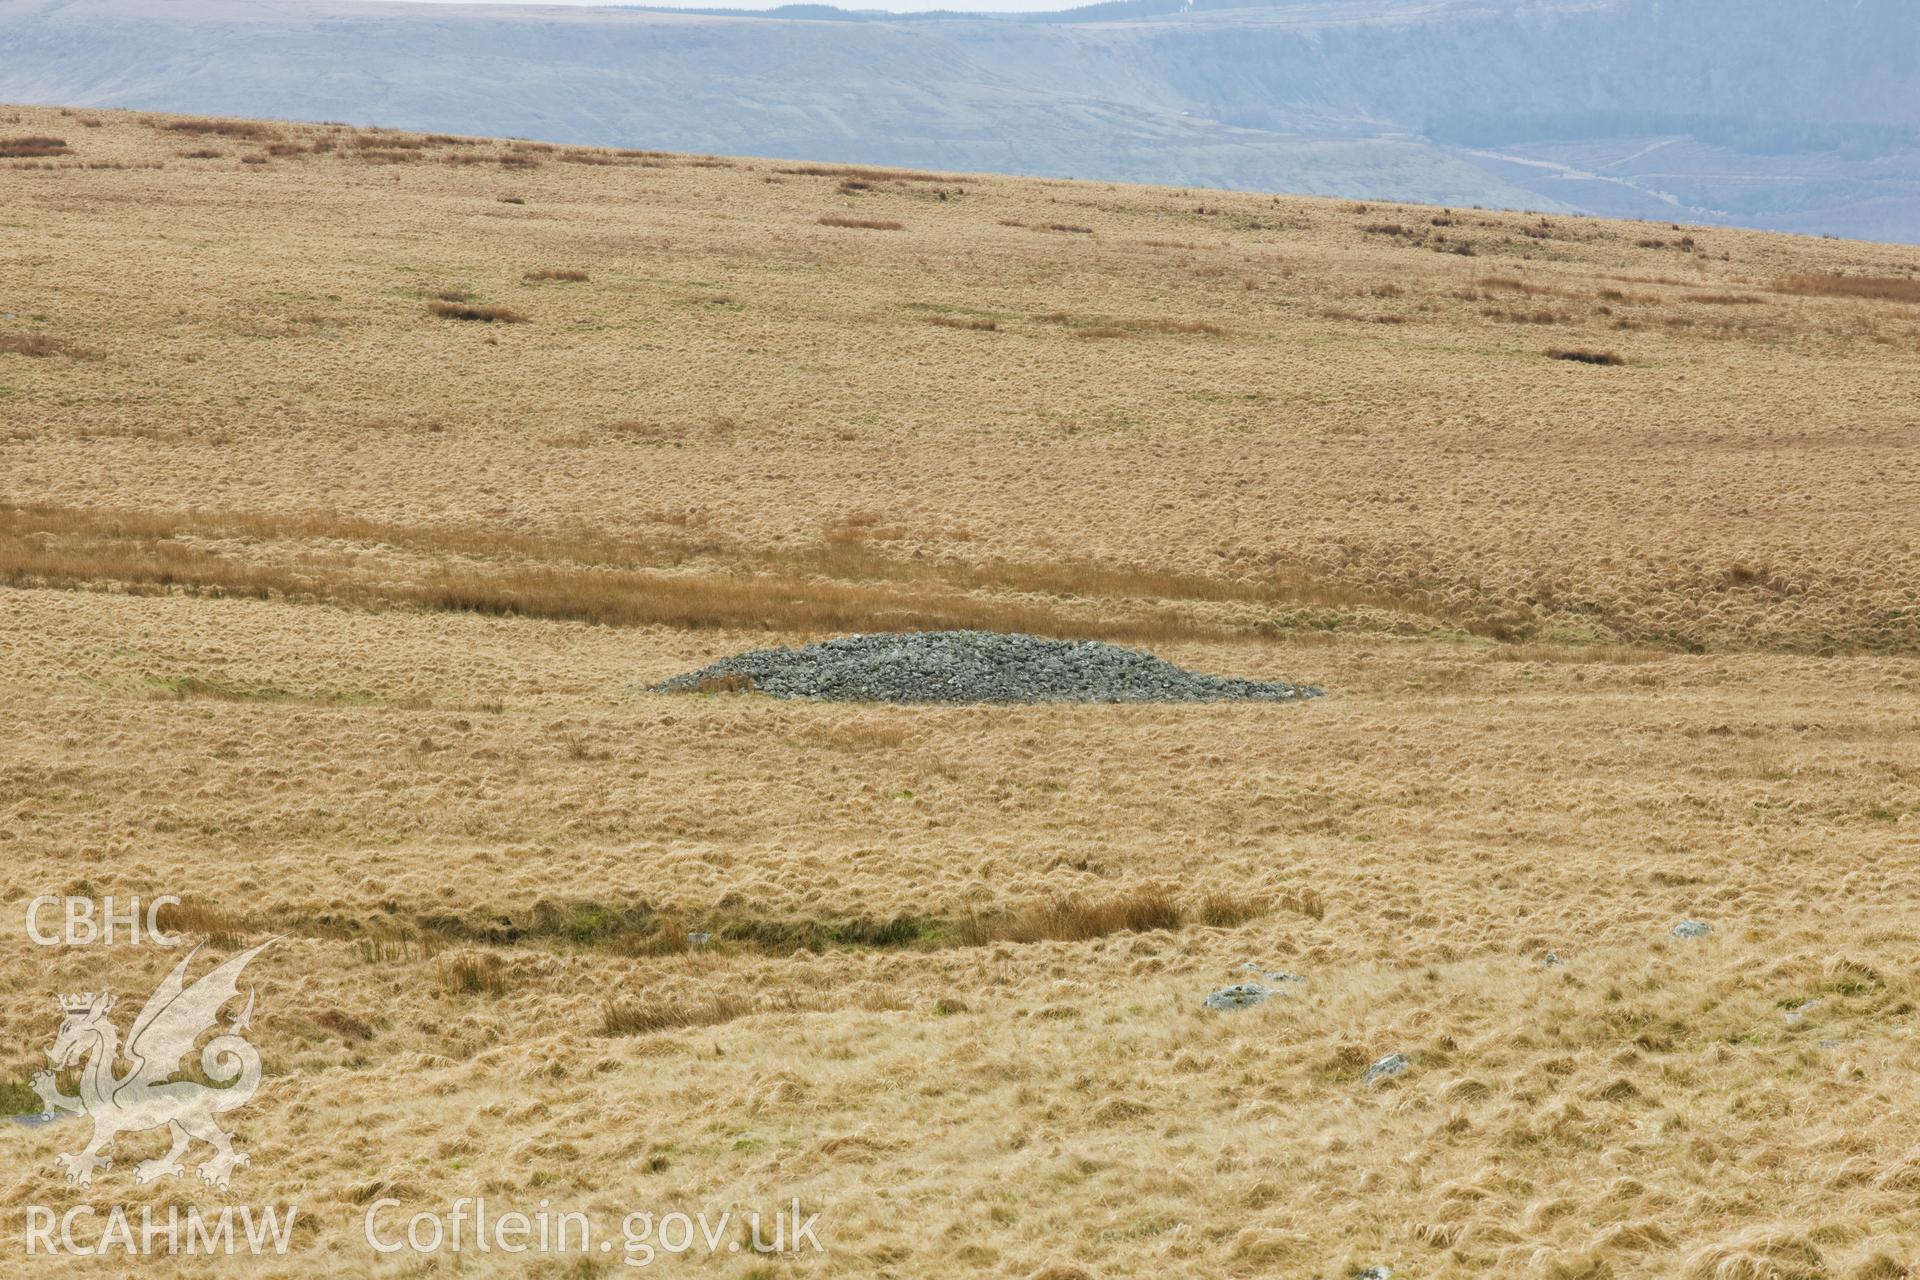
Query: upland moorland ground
{"points": [[355, 486]]}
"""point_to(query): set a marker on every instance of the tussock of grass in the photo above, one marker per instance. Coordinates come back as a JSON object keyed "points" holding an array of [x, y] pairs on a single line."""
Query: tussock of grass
{"points": [[1078, 919], [1760, 1253], [252, 130], [1541, 316], [634, 429], [1225, 910], [1306, 902], [1513, 284], [1582, 356], [474, 975], [646, 1017], [866, 173], [557, 274], [962, 322], [383, 140], [200, 920], [347, 1026], [1874, 288], [870, 224], [1185, 326], [33, 145], [38, 346], [1122, 329], [475, 311]]}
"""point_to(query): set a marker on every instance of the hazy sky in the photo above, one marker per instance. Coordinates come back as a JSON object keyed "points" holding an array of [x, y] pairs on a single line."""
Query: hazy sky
{"points": [[895, 6]]}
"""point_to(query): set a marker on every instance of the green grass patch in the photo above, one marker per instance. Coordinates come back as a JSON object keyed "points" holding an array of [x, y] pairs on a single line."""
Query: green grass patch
{"points": [[16, 1099]]}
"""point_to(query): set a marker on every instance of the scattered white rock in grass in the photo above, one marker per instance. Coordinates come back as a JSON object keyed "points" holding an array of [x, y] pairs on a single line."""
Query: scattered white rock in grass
{"points": [[1692, 929], [1392, 1065], [1552, 960], [1831, 1044], [1374, 1273], [699, 939], [1241, 995], [1798, 1014]]}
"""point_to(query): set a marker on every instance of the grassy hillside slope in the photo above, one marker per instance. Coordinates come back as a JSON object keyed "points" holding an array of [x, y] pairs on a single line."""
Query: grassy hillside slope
{"points": [[356, 485]]}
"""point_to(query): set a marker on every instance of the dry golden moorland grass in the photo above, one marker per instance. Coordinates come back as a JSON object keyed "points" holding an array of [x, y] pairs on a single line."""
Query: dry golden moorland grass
{"points": [[355, 486]]}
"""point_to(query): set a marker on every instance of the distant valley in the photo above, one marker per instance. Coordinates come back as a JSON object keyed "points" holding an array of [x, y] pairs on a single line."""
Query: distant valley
{"points": [[1626, 108]]}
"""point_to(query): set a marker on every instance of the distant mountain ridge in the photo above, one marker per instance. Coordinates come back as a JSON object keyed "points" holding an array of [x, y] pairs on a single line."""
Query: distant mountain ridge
{"points": [[1780, 114]]}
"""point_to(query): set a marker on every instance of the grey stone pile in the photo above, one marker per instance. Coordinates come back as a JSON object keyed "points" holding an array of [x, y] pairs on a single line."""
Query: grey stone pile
{"points": [[1241, 995], [972, 666], [1392, 1065]]}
